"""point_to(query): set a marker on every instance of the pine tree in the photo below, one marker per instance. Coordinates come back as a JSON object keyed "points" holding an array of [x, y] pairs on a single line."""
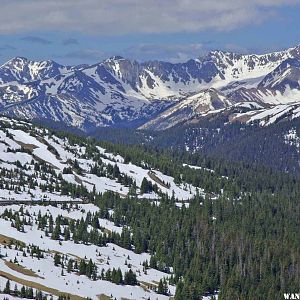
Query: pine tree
{"points": [[130, 278], [7, 287], [82, 267], [57, 259], [70, 266], [144, 186]]}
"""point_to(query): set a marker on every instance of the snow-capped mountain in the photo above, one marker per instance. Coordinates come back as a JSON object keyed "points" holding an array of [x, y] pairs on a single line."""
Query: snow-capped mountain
{"points": [[198, 104], [267, 84], [285, 76], [121, 92], [22, 70]]}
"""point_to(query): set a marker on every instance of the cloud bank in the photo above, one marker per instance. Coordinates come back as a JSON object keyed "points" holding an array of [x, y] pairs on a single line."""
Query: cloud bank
{"points": [[114, 17]]}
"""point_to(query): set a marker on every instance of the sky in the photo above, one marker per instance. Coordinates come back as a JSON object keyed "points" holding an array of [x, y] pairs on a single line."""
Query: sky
{"points": [[75, 32]]}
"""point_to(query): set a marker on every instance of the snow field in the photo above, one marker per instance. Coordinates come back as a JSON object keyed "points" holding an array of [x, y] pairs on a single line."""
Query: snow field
{"points": [[111, 257]]}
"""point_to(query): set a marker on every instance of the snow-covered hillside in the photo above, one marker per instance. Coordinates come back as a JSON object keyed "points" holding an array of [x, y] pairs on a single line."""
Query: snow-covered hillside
{"points": [[56, 238], [39, 158], [41, 271]]}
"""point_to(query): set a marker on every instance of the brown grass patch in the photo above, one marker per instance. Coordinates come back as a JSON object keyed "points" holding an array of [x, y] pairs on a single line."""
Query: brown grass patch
{"points": [[153, 176], [103, 297], [145, 285], [29, 147], [105, 230], [75, 257], [38, 286], [242, 119], [21, 269], [6, 240]]}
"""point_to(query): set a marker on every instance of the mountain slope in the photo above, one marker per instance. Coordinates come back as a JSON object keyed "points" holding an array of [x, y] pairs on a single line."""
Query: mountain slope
{"points": [[23, 146], [85, 219], [198, 104]]}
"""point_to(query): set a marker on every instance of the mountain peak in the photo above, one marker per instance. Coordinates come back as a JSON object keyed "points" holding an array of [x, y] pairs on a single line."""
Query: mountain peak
{"points": [[26, 61], [116, 57], [22, 69], [16, 59]]}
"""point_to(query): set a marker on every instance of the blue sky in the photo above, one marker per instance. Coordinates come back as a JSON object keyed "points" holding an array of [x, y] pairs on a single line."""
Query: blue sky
{"points": [[75, 32]]}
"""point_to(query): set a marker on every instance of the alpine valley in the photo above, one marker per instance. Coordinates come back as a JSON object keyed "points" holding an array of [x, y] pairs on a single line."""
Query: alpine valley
{"points": [[127, 180]]}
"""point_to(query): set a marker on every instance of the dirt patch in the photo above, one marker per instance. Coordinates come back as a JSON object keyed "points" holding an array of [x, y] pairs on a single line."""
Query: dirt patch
{"points": [[29, 147], [6, 240], [42, 140], [147, 285], [38, 286], [241, 119], [21, 269], [153, 176], [103, 297], [75, 257]]}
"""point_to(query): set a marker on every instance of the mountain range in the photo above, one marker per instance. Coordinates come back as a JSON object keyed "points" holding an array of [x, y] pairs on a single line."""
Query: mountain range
{"points": [[174, 173], [119, 92]]}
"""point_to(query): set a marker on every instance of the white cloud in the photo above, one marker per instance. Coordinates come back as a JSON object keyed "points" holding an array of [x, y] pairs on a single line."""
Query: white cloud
{"points": [[133, 16]]}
